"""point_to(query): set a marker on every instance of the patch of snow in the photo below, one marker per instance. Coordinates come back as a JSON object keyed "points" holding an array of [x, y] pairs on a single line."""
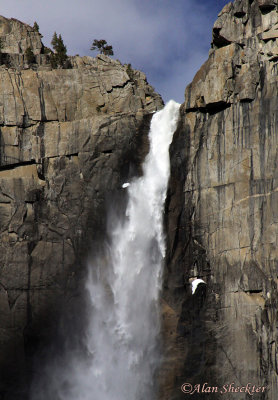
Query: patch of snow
{"points": [[125, 185], [195, 284]]}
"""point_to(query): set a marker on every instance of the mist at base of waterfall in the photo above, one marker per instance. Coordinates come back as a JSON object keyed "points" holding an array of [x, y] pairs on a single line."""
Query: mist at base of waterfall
{"points": [[122, 339]]}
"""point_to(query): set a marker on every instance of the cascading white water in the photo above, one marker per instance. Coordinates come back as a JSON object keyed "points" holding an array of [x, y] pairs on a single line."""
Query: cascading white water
{"points": [[124, 287]]}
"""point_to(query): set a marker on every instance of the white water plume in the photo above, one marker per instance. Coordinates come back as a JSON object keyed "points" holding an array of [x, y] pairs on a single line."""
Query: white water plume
{"points": [[124, 286]]}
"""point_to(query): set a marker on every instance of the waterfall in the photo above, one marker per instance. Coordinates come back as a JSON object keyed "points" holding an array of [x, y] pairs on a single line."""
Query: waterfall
{"points": [[124, 286], [125, 303]]}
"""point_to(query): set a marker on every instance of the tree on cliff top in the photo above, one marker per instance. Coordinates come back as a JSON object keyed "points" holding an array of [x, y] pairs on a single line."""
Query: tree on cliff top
{"points": [[102, 46], [54, 40], [36, 27], [60, 50], [30, 56]]}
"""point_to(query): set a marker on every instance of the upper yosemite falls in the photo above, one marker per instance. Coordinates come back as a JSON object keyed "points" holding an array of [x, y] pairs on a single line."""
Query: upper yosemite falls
{"points": [[122, 338], [128, 272]]}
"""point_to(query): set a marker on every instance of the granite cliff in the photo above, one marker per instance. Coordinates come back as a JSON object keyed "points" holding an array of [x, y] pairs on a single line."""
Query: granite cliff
{"points": [[69, 139], [222, 213]]}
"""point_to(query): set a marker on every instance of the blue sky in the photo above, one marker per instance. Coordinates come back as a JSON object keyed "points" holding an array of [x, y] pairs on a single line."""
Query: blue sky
{"points": [[166, 39]]}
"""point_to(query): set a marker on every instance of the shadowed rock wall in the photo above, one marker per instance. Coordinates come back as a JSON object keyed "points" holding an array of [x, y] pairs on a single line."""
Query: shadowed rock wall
{"points": [[222, 217], [68, 140]]}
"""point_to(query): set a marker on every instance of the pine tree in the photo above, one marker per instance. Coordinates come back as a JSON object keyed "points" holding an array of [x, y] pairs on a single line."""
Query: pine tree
{"points": [[60, 55], [1, 45], [98, 45], [130, 72], [30, 56], [54, 40], [36, 27], [61, 51], [102, 46], [53, 61], [108, 51]]}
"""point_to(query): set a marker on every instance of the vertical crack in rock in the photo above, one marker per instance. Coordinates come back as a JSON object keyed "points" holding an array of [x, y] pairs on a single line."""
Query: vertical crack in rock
{"points": [[66, 149], [228, 199]]}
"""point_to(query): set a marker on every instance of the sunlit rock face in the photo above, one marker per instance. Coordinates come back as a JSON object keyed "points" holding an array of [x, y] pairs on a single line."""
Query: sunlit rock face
{"points": [[69, 139], [222, 212], [17, 36]]}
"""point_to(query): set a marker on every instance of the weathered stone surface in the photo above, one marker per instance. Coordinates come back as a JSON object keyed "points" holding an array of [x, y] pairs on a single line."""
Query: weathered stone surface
{"points": [[267, 4], [18, 36], [243, 21], [222, 213], [243, 38], [234, 80], [69, 138], [271, 34]]}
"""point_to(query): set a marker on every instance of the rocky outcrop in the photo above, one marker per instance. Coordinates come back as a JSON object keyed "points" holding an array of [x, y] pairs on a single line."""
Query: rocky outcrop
{"points": [[222, 213], [69, 138], [17, 36]]}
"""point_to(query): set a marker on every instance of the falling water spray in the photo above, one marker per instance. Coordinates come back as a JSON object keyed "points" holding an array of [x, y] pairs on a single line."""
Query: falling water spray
{"points": [[124, 287]]}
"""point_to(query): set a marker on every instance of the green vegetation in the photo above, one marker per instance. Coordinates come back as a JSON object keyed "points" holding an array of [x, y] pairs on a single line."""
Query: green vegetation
{"points": [[36, 27], [53, 61], [59, 57], [102, 46], [30, 56], [130, 72], [1, 45], [46, 50], [54, 40]]}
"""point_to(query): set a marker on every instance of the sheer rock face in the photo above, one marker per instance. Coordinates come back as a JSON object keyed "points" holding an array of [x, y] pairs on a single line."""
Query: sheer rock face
{"points": [[69, 139], [17, 37], [222, 213]]}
